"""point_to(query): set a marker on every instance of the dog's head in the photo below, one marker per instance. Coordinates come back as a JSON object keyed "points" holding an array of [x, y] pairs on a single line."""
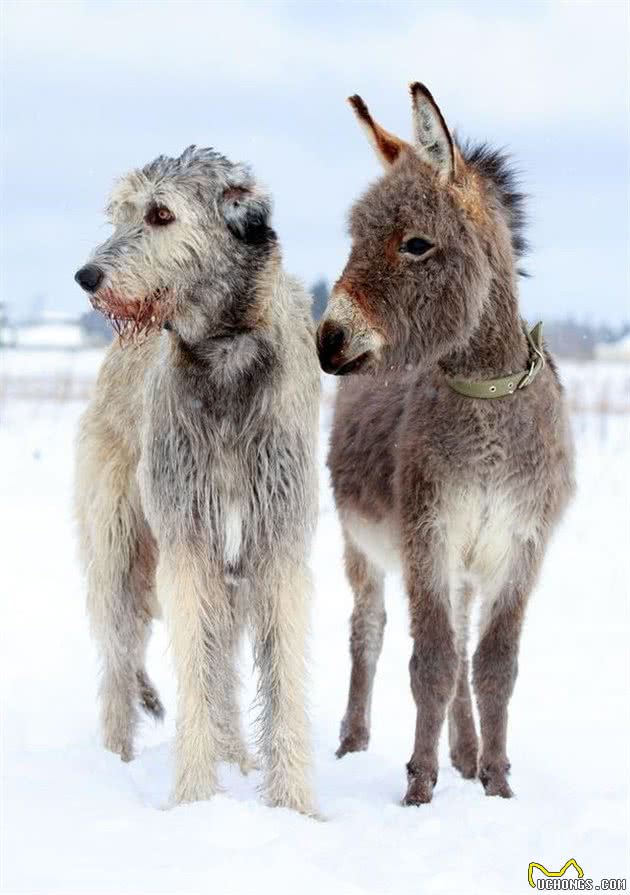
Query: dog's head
{"points": [[191, 236]]}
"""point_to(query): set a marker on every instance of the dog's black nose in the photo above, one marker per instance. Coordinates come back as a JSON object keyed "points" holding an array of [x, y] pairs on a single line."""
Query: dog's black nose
{"points": [[330, 345], [89, 277]]}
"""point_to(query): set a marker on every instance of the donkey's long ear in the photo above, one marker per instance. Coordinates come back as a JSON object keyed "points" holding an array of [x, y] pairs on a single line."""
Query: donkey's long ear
{"points": [[433, 140], [387, 146]]}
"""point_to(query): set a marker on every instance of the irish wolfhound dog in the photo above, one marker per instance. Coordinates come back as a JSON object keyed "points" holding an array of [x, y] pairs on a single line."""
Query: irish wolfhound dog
{"points": [[455, 462], [196, 488]]}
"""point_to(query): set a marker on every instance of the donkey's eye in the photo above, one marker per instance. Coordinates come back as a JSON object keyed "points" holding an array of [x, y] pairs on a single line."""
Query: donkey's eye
{"points": [[159, 215], [416, 246]]}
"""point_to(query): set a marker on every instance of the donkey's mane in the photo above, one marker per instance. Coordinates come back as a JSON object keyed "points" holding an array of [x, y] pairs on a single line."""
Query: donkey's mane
{"points": [[497, 166]]}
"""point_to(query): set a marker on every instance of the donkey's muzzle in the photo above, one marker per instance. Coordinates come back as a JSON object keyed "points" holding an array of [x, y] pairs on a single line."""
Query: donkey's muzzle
{"points": [[89, 277], [331, 342]]}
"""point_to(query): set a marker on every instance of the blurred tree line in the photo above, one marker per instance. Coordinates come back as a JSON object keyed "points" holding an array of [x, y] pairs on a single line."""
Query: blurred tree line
{"points": [[565, 338]]}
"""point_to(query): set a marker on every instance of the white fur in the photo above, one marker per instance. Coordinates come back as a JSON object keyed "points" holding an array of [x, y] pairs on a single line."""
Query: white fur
{"points": [[482, 543], [233, 525], [479, 547], [378, 541]]}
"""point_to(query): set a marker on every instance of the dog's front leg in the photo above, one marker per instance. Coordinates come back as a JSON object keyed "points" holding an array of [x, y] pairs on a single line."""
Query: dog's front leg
{"points": [[197, 611], [282, 619]]}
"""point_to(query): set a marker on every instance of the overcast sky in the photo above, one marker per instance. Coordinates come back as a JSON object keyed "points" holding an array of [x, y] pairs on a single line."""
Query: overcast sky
{"points": [[91, 89]]}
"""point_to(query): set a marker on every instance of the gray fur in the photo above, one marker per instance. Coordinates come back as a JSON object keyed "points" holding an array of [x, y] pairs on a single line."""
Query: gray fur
{"points": [[196, 485], [462, 494]]}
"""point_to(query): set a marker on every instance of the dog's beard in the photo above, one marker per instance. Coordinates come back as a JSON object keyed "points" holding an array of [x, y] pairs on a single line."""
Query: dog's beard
{"points": [[134, 320]]}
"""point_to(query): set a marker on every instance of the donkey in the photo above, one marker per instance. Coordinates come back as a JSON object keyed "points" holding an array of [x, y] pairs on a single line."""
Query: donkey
{"points": [[196, 481], [453, 460]]}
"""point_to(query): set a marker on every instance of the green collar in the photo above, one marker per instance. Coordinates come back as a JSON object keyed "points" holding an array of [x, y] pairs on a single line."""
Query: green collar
{"points": [[506, 385]]}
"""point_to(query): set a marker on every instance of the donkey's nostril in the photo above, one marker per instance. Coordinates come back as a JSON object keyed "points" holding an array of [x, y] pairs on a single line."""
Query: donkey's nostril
{"points": [[331, 339], [89, 277]]}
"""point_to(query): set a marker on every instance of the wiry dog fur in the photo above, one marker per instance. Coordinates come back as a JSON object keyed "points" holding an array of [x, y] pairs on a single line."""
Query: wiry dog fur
{"points": [[461, 493], [196, 488]]}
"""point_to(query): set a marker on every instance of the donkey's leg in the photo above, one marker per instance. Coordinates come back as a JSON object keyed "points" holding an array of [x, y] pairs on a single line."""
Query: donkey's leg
{"points": [[366, 641], [462, 734], [200, 623], [495, 667], [281, 621], [434, 660], [433, 669]]}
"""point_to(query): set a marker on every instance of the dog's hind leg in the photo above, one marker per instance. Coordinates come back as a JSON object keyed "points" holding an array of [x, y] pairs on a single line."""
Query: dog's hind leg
{"points": [[201, 629], [281, 620], [110, 523], [366, 641], [236, 751], [119, 558], [142, 582]]}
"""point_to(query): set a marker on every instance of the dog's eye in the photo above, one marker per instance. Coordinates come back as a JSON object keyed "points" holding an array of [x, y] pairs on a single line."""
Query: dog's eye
{"points": [[416, 246], [159, 215]]}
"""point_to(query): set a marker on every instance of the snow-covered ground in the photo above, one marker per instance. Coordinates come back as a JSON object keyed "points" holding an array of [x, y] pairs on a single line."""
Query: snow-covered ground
{"points": [[77, 820]]}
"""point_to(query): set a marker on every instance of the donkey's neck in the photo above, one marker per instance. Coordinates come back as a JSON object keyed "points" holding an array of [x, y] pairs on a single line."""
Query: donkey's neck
{"points": [[498, 346]]}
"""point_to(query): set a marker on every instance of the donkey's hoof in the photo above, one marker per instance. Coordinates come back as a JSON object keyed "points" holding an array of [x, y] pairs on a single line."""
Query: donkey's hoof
{"points": [[420, 786], [356, 741], [465, 761], [498, 788], [495, 782]]}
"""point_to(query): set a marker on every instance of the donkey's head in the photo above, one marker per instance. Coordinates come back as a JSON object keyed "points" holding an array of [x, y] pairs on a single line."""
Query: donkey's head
{"points": [[428, 241]]}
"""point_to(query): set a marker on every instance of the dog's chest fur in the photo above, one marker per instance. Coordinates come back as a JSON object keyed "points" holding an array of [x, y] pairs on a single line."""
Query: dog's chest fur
{"points": [[221, 463]]}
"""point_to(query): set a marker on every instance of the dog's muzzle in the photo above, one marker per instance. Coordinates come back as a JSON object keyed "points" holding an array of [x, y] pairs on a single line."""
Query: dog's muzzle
{"points": [[89, 277], [134, 320]]}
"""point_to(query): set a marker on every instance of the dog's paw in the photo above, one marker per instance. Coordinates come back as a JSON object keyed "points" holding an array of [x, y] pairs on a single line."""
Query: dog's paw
{"points": [[119, 744], [192, 791]]}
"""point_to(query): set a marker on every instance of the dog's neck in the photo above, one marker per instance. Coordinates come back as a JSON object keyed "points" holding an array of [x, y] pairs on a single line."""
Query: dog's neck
{"points": [[236, 352]]}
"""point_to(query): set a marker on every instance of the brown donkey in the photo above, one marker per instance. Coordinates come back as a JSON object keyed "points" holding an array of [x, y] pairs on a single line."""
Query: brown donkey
{"points": [[431, 474]]}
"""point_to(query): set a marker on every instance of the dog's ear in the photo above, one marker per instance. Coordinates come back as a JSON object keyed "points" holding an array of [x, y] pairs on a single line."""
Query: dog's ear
{"points": [[247, 212]]}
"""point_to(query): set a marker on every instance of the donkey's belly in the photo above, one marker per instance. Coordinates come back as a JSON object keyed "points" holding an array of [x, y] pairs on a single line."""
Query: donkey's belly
{"points": [[479, 533], [483, 531], [378, 541]]}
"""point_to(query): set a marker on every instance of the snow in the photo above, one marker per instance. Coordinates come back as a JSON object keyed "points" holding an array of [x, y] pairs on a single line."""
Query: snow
{"points": [[78, 820], [15, 363], [50, 335]]}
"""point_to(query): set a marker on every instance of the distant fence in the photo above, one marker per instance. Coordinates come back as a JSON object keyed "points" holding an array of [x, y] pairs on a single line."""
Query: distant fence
{"points": [[56, 387], [590, 387]]}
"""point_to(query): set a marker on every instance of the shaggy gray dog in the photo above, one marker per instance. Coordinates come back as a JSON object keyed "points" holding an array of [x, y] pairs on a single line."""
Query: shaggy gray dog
{"points": [[196, 487]]}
